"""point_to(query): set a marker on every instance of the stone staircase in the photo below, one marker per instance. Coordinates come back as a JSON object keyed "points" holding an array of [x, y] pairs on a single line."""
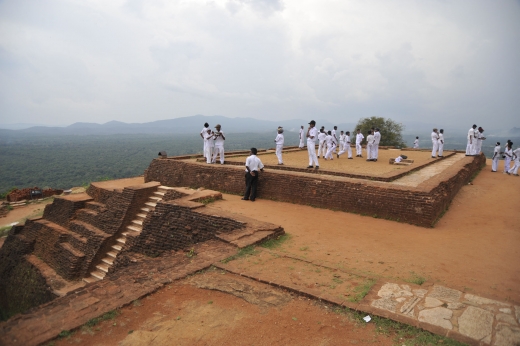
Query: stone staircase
{"points": [[133, 229]]}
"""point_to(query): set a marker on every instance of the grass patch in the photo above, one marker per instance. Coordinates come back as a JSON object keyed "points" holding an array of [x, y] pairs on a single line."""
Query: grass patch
{"points": [[65, 334], [4, 230], [277, 242], [362, 290], [108, 316], [415, 279], [247, 251], [207, 201]]}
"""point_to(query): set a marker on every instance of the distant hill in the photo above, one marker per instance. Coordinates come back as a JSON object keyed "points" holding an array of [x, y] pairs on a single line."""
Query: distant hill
{"points": [[185, 125]]}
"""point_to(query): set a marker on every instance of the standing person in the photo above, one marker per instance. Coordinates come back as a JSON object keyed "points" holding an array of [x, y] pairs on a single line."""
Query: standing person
{"points": [[209, 145], [496, 156], [346, 146], [341, 141], [435, 143], [253, 165], [333, 132], [203, 135], [322, 147], [279, 145], [416, 143], [441, 142], [375, 147], [471, 139], [480, 138], [331, 145], [359, 140], [302, 136], [508, 155], [370, 145], [516, 158], [312, 133], [219, 139]]}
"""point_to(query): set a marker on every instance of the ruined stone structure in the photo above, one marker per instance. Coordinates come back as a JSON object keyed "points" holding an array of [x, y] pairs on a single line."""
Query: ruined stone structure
{"points": [[19, 195]]}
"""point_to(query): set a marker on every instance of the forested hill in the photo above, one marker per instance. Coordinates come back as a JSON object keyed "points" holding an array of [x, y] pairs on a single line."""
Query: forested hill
{"points": [[65, 161]]}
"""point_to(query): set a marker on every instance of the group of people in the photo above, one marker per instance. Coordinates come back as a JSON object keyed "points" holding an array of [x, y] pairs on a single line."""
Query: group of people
{"points": [[437, 143], [213, 143], [509, 155], [475, 138]]}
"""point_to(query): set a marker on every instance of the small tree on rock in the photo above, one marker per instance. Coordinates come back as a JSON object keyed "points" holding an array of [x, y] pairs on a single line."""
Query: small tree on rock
{"points": [[389, 129]]}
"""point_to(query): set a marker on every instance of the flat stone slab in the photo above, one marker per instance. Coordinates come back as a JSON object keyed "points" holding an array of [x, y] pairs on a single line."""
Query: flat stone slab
{"points": [[445, 294], [476, 323], [437, 316]]}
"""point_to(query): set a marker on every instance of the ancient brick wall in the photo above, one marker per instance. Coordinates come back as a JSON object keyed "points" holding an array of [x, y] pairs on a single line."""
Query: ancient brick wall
{"points": [[416, 206], [18, 195], [62, 209]]}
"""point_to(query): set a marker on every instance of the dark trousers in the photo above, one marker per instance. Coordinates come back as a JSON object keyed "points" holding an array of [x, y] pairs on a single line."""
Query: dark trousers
{"points": [[251, 184]]}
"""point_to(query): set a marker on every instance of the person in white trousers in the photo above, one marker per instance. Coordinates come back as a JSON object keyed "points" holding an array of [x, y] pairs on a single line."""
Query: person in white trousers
{"points": [[516, 158], [312, 134], [341, 141], [322, 147], [471, 140], [416, 143], [202, 135], [209, 145], [508, 155], [302, 136], [496, 156], [375, 147], [435, 143], [279, 145], [480, 138], [346, 146], [370, 145], [441, 142], [219, 139], [331, 146], [359, 140]]}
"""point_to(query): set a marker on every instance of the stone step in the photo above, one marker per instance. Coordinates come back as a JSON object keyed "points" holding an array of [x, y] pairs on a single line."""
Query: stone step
{"points": [[90, 279], [63, 232], [72, 250], [102, 267], [121, 240], [81, 226], [98, 274], [137, 222], [164, 188], [116, 247], [112, 253], [146, 210], [96, 206], [151, 204], [155, 199], [159, 194], [108, 260], [134, 228], [141, 216]]}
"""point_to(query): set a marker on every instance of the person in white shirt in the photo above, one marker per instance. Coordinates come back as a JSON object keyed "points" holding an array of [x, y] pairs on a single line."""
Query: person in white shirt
{"points": [[359, 140], [435, 143], [441, 142], [516, 158], [209, 145], [346, 146], [333, 132], [508, 155], [471, 140], [253, 165], [496, 156], [279, 145], [375, 147], [312, 134], [322, 147], [202, 135], [341, 141], [302, 136], [370, 145], [219, 139], [416, 143], [331, 145], [480, 138]]}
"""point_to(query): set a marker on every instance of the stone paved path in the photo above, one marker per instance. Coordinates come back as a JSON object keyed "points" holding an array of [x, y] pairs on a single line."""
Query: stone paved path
{"points": [[420, 176], [441, 310], [76, 308]]}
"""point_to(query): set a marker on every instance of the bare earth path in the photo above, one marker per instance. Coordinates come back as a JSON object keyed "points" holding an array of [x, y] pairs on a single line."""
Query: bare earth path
{"points": [[475, 247]]}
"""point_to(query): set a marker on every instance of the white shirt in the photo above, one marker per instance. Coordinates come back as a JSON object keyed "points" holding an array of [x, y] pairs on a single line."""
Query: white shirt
{"points": [[279, 139], [398, 159], [496, 153], [328, 139], [302, 134], [416, 143], [219, 141], [435, 137], [517, 153], [508, 152], [342, 138], [441, 138], [312, 132], [204, 129], [347, 139], [254, 163], [359, 138], [370, 139], [322, 136], [377, 137], [479, 136], [333, 133], [471, 134]]}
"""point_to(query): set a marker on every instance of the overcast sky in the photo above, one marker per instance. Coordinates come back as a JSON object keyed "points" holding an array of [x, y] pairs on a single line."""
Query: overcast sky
{"points": [[452, 63]]}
